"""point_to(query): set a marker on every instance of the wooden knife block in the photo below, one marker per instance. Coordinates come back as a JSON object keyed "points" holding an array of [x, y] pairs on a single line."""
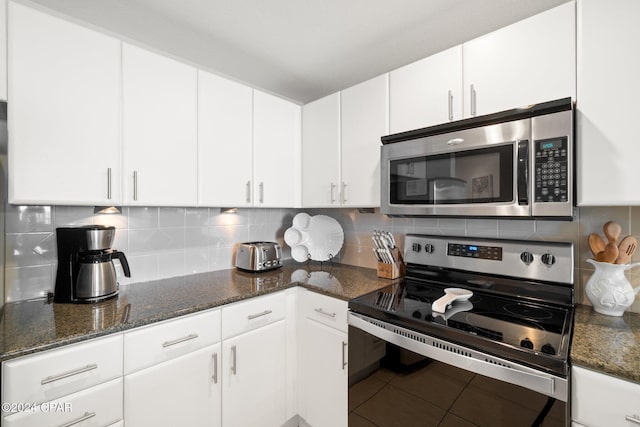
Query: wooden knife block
{"points": [[392, 271]]}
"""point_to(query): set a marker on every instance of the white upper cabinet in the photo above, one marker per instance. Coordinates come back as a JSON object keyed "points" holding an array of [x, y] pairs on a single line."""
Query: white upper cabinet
{"points": [[3, 50], [525, 63], [225, 132], [276, 151], [427, 92], [364, 119], [607, 107], [159, 98], [321, 152], [64, 114]]}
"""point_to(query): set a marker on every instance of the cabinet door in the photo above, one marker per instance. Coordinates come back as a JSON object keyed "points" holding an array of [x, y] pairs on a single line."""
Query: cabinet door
{"points": [[321, 152], [427, 92], [365, 118], [159, 120], [323, 375], [225, 131], [527, 62], [181, 392], [64, 114], [607, 110], [253, 374], [3, 50], [276, 151]]}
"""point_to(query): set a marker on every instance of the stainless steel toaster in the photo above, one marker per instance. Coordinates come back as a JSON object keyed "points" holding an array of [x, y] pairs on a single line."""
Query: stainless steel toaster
{"points": [[258, 256]]}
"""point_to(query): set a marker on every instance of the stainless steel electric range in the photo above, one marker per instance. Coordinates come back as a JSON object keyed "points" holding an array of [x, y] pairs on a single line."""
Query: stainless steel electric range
{"points": [[499, 308]]}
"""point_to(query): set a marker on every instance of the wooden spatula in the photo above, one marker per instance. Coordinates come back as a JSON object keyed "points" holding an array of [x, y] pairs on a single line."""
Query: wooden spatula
{"points": [[596, 244], [626, 249], [612, 230], [609, 254]]}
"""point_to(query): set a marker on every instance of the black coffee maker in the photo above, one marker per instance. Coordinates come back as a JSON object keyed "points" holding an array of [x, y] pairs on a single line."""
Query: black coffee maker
{"points": [[85, 269]]}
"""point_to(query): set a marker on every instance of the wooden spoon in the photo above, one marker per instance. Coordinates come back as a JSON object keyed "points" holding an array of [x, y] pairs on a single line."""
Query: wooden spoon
{"points": [[612, 230], [626, 249], [609, 254], [596, 243]]}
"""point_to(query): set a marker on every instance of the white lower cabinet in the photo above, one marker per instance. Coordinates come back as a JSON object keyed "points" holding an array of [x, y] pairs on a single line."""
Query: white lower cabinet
{"points": [[322, 360], [602, 400], [183, 391]]}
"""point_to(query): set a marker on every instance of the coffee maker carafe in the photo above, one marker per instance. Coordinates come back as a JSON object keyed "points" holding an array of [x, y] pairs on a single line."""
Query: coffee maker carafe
{"points": [[85, 269]]}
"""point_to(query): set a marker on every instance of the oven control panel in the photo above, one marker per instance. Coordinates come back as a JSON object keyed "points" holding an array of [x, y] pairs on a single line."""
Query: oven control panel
{"points": [[475, 251], [552, 161]]}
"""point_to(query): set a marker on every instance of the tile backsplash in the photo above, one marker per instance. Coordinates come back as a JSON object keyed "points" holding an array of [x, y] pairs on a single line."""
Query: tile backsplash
{"points": [[165, 242]]}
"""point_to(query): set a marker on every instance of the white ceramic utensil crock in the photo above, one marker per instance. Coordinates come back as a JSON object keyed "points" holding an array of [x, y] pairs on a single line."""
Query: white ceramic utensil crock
{"points": [[609, 290]]}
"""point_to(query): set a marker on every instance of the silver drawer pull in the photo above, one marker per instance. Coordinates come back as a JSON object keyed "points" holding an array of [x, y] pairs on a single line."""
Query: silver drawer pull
{"points": [[255, 316], [344, 357], [69, 374], [215, 368], [85, 417], [633, 418], [321, 311], [179, 340]]}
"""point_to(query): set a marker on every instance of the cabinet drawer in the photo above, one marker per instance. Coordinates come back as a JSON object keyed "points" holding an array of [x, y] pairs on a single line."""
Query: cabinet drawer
{"points": [[155, 344], [251, 314], [324, 309], [55, 373], [602, 400], [100, 405]]}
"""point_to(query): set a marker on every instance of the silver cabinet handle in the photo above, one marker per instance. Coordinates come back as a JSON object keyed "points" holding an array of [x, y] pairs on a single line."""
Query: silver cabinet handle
{"points": [[321, 311], [344, 192], [215, 368], [233, 360], [255, 316], [261, 192], [633, 418], [248, 191], [333, 199], [473, 100], [344, 359], [68, 374], [85, 417], [450, 105], [179, 340], [109, 183], [135, 185]]}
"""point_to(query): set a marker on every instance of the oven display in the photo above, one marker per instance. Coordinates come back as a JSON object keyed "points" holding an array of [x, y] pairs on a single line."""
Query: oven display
{"points": [[475, 251]]}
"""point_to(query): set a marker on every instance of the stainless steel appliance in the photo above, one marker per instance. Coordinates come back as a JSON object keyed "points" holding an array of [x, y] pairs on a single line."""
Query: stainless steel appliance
{"points": [[258, 256], [517, 163], [508, 317], [85, 269]]}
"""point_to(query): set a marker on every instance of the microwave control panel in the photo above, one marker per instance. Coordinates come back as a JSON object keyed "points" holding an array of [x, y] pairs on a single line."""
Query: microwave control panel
{"points": [[551, 170]]}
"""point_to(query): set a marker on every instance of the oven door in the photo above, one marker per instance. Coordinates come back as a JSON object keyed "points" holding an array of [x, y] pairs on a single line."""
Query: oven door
{"points": [[475, 172], [440, 382]]}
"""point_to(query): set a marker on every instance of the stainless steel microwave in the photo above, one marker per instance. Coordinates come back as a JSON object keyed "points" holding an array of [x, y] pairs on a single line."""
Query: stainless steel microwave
{"points": [[516, 163]]}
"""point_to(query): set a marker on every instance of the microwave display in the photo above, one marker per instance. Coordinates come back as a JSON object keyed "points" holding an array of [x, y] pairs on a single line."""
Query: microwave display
{"points": [[551, 170], [470, 176]]}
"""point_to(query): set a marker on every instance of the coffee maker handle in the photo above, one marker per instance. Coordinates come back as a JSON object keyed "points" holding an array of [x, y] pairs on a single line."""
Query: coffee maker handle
{"points": [[123, 261]]}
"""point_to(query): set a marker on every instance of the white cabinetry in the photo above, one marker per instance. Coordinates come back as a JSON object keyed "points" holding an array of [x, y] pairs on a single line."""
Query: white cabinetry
{"points": [[3, 50], [607, 110], [364, 119], [159, 98], [321, 152], [64, 114], [599, 400], [527, 62], [225, 132], [253, 368], [82, 381], [323, 374], [427, 92], [276, 151], [173, 373]]}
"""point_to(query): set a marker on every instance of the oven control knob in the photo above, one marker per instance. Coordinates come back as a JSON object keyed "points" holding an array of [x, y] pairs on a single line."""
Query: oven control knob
{"points": [[526, 343], [416, 247], [526, 257], [428, 248], [548, 259], [548, 349]]}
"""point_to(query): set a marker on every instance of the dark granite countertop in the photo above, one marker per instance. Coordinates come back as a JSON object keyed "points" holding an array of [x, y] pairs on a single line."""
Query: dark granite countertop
{"points": [[31, 326], [607, 344]]}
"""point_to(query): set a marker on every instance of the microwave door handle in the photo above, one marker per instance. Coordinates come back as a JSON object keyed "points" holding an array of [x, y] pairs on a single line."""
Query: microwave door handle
{"points": [[523, 172]]}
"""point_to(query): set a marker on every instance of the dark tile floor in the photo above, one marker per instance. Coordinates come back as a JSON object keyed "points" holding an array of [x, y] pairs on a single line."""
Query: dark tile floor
{"points": [[444, 396]]}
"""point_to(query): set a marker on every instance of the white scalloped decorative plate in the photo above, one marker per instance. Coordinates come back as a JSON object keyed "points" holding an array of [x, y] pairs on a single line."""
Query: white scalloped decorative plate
{"points": [[318, 237]]}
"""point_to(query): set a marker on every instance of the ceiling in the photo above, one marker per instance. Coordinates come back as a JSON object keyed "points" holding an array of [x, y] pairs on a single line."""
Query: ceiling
{"points": [[300, 49]]}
